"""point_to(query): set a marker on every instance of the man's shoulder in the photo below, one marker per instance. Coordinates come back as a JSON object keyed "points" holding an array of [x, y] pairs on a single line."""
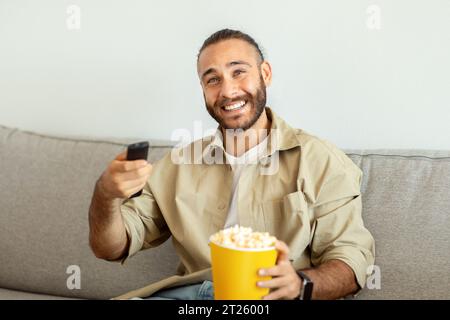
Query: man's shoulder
{"points": [[315, 148], [185, 153], [168, 167]]}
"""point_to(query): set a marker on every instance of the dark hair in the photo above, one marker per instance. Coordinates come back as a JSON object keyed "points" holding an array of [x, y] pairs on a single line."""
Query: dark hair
{"points": [[226, 34]]}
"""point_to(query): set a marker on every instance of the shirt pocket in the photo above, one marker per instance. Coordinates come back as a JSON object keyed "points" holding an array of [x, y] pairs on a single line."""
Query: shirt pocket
{"points": [[287, 218]]}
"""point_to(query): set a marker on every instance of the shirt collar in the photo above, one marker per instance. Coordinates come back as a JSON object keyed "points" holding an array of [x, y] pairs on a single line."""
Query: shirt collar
{"points": [[281, 137]]}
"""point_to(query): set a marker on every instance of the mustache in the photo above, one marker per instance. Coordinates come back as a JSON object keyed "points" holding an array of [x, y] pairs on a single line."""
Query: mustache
{"points": [[225, 102]]}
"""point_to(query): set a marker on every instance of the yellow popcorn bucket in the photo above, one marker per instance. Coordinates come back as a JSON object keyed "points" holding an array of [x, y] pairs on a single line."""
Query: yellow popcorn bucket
{"points": [[235, 271]]}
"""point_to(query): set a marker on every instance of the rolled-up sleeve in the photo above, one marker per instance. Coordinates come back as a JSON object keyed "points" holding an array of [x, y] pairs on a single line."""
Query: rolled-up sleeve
{"points": [[339, 231], [144, 222]]}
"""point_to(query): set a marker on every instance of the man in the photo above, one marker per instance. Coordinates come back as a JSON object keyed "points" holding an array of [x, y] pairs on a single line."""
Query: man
{"points": [[310, 199]]}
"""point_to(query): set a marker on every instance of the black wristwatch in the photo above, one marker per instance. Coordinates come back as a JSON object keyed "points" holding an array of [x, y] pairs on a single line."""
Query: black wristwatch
{"points": [[307, 287]]}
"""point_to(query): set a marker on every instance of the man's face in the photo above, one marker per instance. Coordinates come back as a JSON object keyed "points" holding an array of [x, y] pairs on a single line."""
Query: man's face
{"points": [[234, 83]]}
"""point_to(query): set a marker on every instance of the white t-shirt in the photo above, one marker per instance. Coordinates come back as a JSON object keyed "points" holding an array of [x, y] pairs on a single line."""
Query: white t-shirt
{"points": [[238, 164]]}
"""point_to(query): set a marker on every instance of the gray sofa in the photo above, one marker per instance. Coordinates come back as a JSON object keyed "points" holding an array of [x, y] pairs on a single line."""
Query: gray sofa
{"points": [[46, 184]]}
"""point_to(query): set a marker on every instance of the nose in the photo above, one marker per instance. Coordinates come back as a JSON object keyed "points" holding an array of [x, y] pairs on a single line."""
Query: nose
{"points": [[229, 89]]}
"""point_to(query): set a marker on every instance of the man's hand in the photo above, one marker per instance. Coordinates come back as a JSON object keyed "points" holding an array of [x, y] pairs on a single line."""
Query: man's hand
{"points": [[123, 178], [332, 279], [285, 283]]}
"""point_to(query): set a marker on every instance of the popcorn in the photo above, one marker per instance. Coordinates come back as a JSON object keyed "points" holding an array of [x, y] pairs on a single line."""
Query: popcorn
{"points": [[243, 238]]}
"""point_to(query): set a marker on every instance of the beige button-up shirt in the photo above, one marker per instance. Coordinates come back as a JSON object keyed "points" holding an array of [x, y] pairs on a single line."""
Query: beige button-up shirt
{"points": [[304, 191]]}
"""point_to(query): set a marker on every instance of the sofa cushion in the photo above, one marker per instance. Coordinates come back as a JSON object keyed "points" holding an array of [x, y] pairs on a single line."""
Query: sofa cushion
{"points": [[406, 206], [7, 294]]}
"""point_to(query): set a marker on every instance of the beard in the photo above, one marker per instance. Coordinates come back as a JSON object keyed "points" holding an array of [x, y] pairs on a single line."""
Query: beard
{"points": [[256, 103]]}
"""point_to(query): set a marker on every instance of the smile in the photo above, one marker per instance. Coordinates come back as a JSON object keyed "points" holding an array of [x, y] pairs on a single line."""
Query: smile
{"points": [[235, 106]]}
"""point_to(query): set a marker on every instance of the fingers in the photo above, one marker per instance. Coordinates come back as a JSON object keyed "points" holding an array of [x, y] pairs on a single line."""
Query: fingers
{"points": [[278, 270], [277, 294], [136, 174], [274, 283], [126, 166], [121, 156], [121, 164], [123, 178], [133, 190], [284, 283], [275, 271], [283, 262], [129, 180], [133, 184], [125, 189], [283, 251], [286, 286]]}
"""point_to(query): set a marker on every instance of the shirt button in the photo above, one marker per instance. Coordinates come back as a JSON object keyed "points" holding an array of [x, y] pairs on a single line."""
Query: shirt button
{"points": [[221, 206]]}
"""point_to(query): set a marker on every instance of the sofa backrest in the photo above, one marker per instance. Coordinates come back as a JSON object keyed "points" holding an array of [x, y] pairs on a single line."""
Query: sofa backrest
{"points": [[406, 206], [46, 184]]}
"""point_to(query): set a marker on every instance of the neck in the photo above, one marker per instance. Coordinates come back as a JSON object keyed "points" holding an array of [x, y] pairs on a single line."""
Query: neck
{"points": [[237, 142]]}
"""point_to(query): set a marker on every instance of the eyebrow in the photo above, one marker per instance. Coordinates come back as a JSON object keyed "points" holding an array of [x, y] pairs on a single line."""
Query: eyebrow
{"points": [[229, 64]]}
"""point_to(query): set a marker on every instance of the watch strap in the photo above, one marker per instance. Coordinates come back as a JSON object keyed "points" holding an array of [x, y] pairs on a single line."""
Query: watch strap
{"points": [[307, 286]]}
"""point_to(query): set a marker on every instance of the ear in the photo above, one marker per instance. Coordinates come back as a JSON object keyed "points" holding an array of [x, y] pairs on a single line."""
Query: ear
{"points": [[266, 72]]}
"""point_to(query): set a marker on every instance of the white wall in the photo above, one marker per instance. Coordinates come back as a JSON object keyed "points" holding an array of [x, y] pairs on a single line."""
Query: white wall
{"points": [[130, 70]]}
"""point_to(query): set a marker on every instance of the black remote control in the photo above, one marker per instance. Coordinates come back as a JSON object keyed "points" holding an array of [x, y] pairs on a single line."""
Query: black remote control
{"points": [[137, 151]]}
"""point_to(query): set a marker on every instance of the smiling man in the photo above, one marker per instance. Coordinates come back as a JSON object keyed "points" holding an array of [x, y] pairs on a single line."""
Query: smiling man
{"points": [[311, 202]]}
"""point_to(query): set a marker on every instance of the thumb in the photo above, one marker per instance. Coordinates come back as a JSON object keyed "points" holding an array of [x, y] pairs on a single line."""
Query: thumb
{"points": [[283, 250], [121, 156]]}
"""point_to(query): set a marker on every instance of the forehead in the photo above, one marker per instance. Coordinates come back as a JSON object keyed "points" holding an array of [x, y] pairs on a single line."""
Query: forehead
{"points": [[221, 53]]}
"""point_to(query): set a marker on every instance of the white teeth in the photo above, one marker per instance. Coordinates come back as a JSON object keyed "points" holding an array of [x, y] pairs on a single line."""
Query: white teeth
{"points": [[235, 106]]}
